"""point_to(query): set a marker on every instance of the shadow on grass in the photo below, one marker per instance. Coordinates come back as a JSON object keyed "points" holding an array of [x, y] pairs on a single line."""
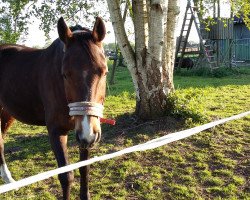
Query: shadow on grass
{"points": [[24, 146], [129, 127]]}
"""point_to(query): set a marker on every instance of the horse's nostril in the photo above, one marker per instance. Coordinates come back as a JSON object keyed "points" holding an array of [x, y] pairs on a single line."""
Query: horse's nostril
{"points": [[88, 140], [84, 144], [98, 136]]}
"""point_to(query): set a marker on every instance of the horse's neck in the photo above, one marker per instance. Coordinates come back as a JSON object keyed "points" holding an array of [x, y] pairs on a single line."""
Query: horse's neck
{"points": [[54, 53]]}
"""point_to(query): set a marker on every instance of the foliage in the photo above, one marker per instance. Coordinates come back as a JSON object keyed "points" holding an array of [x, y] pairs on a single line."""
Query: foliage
{"points": [[110, 47], [185, 105], [74, 11], [14, 17], [242, 8]]}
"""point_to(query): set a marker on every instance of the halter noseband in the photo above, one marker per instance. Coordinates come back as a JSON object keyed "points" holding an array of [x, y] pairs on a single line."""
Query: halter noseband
{"points": [[86, 108]]}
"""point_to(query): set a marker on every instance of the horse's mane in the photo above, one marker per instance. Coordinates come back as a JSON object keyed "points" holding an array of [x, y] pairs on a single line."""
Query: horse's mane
{"points": [[81, 32]]}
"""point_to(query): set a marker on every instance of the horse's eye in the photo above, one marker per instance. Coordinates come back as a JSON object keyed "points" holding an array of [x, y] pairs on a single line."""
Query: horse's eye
{"points": [[64, 76], [106, 73]]}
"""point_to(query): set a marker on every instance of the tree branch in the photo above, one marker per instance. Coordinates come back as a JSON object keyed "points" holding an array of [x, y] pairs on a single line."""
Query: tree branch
{"points": [[168, 50], [122, 39], [141, 24], [158, 9], [125, 12], [121, 36]]}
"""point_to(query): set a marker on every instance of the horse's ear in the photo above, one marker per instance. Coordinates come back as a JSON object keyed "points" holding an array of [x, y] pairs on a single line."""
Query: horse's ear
{"points": [[99, 30], [63, 31]]}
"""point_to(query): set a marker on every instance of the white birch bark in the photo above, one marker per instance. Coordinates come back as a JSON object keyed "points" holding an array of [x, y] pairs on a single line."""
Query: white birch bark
{"points": [[158, 11], [141, 44], [156, 98], [141, 40], [170, 45], [122, 39]]}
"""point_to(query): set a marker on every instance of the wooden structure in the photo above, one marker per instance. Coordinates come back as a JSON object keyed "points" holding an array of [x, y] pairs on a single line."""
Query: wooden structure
{"points": [[241, 46], [206, 50], [222, 40], [232, 39], [221, 35], [220, 29]]}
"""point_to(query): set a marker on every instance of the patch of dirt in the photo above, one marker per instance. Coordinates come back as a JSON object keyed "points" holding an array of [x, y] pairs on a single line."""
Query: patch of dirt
{"points": [[128, 127]]}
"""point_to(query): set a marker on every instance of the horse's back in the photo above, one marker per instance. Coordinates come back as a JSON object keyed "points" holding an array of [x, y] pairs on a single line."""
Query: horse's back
{"points": [[19, 83], [10, 50]]}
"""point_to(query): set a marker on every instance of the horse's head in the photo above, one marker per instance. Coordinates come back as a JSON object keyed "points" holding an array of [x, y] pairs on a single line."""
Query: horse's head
{"points": [[84, 70]]}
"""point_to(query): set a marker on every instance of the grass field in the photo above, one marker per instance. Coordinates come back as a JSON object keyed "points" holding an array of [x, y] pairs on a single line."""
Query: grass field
{"points": [[214, 164]]}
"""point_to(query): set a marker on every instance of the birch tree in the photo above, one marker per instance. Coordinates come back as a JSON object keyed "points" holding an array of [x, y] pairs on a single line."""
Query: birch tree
{"points": [[151, 62]]}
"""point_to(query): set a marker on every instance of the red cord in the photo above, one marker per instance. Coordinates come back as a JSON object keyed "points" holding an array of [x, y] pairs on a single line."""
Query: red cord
{"points": [[108, 121]]}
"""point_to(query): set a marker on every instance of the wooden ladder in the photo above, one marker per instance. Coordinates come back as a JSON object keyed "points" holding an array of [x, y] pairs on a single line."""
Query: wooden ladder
{"points": [[206, 47]]}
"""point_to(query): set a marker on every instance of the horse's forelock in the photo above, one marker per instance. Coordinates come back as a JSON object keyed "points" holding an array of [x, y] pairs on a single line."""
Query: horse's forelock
{"points": [[84, 35], [79, 28]]}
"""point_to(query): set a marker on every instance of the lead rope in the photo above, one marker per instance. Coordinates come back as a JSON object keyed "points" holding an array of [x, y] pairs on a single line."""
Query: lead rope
{"points": [[89, 108]]}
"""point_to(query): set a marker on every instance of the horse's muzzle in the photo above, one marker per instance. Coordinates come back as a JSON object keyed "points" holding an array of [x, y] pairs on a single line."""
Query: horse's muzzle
{"points": [[88, 130], [88, 143]]}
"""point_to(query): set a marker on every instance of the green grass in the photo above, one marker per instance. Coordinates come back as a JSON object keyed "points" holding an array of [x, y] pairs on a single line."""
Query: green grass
{"points": [[213, 164]]}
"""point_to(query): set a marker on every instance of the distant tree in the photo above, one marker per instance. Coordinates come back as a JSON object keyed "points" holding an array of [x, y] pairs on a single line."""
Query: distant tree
{"points": [[238, 8], [74, 11], [242, 8], [14, 17], [110, 47]]}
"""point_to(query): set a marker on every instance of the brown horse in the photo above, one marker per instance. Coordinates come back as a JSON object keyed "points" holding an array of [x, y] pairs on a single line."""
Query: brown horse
{"points": [[62, 87]]}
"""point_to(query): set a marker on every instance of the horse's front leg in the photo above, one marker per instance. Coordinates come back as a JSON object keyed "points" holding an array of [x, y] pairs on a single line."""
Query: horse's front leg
{"points": [[84, 172], [58, 140], [6, 121], [5, 173]]}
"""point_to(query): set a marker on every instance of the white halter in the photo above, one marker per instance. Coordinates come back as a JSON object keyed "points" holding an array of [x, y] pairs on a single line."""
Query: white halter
{"points": [[86, 108]]}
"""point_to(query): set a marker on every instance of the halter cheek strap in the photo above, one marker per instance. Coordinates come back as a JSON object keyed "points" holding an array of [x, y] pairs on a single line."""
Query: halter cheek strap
{"points": [[86, 108]]}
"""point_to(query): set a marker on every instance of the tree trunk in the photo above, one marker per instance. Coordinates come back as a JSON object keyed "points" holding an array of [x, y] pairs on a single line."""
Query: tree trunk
{"points": [[151, 65], [170, 45], [112, 77], [122, 39]]}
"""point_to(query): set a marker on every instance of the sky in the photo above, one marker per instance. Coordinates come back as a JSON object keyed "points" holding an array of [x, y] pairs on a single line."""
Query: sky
{"points": [[37, 38]]}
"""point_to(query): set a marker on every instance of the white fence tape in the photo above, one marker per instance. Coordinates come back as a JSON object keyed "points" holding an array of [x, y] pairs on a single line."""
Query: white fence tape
{"points": [[141, 147]]}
